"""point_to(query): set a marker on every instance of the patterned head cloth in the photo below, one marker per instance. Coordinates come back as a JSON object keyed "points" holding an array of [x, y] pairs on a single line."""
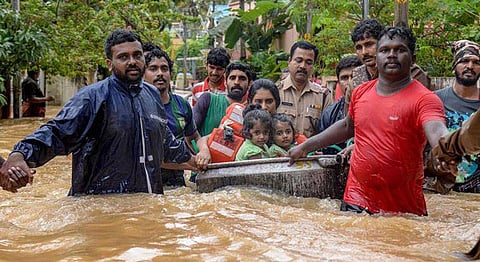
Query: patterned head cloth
{"points": [[464, 48]]}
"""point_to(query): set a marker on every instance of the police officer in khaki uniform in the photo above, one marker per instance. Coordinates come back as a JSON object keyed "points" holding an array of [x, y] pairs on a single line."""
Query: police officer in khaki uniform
{"points": [[303, 100]]}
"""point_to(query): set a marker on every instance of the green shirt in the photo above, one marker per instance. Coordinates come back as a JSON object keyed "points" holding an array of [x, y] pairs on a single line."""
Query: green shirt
{"points": [[277, 151], [216, 111], [249, 149]]}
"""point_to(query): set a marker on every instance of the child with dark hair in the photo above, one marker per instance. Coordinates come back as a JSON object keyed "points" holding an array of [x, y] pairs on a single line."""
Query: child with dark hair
{"points": [[283, 135], [257, 124]]}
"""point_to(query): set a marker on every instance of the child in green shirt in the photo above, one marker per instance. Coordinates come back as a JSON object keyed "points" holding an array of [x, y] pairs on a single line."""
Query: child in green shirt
{"points": [[257, 124], [283, 135]]}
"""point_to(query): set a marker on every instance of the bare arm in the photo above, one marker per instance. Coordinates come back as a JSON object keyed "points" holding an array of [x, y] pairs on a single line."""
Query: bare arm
{"points": [[189, 139], [200, 109], [189, 165], [336, 133], [203, 158], [434, 130], [39, 99]]}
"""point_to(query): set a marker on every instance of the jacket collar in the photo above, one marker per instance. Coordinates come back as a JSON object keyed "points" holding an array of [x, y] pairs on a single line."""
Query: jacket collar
{"points": [[126, 87]]}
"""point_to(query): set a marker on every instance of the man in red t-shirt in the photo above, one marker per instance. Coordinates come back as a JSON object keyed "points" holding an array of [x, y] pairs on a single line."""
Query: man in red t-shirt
{"points": [[217, 60], [391, 119]]}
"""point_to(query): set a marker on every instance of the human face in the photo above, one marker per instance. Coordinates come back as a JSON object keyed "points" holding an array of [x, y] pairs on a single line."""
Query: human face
{"points": [[393, 58], [300, 65], [128, 62], [158, 74], [283, 136], [260, 134], [345, 77], [215, 73], [366, 51], [237, 85], [265, 98], [467, 71]]}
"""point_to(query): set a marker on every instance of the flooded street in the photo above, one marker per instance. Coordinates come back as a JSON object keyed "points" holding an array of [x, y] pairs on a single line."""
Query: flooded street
{"points": [[40, 223]]}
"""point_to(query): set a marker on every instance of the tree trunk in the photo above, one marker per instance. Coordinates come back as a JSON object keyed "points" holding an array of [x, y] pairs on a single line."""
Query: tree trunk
{"points": [[5, 110]]}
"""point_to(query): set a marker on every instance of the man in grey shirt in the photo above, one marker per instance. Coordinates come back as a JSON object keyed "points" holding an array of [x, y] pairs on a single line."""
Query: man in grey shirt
{"points": [[460, 101]]}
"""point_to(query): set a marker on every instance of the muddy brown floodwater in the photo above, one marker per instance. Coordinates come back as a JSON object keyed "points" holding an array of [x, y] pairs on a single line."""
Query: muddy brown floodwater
{"points": [[40, 223]]}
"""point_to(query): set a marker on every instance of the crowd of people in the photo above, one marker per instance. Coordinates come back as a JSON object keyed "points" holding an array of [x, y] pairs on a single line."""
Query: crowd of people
{"points": [[130, 133]]}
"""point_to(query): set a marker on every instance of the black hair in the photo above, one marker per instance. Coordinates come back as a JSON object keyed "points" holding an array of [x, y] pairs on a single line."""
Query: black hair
{"points": [[367, 28], [218, 56], [149, 47], [347, 62], [120, 36], [32, 73], [403, 33], [158, 53], [239, 66], [304, 45], [283, 118], [251, 115], [267, 84]]}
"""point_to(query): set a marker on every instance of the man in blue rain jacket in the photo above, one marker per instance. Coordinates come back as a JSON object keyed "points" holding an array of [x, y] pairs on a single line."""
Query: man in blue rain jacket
{"points": [[116, 129]]}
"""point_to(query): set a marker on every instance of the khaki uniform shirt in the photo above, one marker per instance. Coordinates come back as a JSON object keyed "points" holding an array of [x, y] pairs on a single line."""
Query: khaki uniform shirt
{"points": [[304, 108]]}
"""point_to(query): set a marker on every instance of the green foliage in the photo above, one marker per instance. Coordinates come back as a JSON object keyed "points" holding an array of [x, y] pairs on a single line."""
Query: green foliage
{"points": [[257, 27], [66, 37], [21, 45], [268, 64]]}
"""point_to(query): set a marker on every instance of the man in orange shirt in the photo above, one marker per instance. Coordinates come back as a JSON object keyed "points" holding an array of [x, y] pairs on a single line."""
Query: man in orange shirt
{"points": [[217, 60]]}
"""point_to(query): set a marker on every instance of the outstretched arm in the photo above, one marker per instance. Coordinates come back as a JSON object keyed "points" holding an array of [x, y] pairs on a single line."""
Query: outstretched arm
{"points": [[336, 133], [434, 130]]}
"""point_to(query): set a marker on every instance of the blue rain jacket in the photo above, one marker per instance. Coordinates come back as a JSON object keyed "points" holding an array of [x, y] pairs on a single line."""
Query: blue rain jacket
{"points": [[118, 136]]}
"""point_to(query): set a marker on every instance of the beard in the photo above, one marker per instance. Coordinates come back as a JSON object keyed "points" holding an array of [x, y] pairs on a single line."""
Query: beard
{"points": [[236, 95], [466, 81], [124, 77]]}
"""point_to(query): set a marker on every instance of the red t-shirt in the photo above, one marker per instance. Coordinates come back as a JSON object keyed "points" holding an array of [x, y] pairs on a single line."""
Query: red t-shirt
{"points": [[386, 168], [202, 87], [338, 92]]}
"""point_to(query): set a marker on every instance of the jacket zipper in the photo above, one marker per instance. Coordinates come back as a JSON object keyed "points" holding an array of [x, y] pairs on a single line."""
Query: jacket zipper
{"points": [[143, 158]]}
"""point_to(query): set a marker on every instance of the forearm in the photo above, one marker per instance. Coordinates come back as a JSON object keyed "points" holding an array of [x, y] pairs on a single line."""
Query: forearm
{"points": [[37, 100], [336, 133]]}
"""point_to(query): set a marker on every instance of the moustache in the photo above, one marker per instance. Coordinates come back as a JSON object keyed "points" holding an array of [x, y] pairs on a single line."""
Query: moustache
{"points": [[159, 79], [469, 71], [303, 71], [237, 87], [366, 57], [133, 68]]}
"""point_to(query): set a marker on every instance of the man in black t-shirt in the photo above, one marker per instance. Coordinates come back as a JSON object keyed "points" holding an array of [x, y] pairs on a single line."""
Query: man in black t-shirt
{"points": [[34, 102]]}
